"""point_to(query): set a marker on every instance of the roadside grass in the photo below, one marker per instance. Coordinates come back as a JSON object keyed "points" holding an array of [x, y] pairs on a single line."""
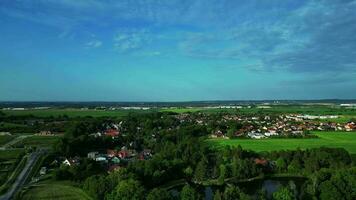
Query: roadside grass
{"points": [[51, 190], [11, 178], [38, 141], [5, 139], [333, 139], [10, 164], [10, 154]]}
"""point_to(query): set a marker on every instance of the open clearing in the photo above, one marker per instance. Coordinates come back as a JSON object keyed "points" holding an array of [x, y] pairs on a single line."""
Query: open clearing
{"points": [[57, 191], [332, 139]]}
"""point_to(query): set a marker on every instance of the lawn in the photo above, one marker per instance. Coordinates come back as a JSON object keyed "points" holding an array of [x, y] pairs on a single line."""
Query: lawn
{"points": [[345, 140], [57, 191]]}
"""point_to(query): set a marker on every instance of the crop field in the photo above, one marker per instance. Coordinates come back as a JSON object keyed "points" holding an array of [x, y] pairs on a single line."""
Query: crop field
{"points": [[57, 191], [70, 113], [333, 139], [280, 109]]}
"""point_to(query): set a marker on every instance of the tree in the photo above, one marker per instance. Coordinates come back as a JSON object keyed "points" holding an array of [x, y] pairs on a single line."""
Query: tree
{"points": [[231, 193], [217, 195], [129, 190], [222, 173], [95, 186], [200, 171], [329, 191], [159, 194], [281, 164], [283, 193], [188, 193]]}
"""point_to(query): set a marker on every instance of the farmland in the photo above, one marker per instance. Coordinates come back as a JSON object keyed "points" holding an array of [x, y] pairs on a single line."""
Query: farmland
{"points": [[345, 140], [68, 112], [55, 190]]}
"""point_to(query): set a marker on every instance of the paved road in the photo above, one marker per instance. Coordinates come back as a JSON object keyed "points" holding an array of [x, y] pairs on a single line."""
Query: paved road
{"points": [[20, 180]]}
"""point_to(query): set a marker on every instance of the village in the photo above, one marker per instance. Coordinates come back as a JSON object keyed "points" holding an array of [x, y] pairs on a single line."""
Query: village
{"points": [[255, 127]]}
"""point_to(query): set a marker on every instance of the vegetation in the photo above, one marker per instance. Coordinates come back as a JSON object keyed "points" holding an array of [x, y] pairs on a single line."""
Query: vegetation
{"points": [[55, 190], [345, 140], [182, 161], [5, 139]]}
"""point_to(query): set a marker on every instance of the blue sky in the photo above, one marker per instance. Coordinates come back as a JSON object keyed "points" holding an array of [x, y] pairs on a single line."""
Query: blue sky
{"points": [[170, 50]]}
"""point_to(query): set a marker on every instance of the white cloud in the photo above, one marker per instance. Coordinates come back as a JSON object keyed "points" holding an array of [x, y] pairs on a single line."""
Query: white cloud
{"points": [[127, 40], [93, 44]]}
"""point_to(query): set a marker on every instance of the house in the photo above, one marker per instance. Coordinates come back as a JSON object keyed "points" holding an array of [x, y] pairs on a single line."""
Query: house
{"points": [[45, 133], [111, 153], [71, 161], [92, 155], [123, 154], [261, 161], [101, 159], [115, 160], [350, 126], [256, 135], [43, 170], [112, 133]]}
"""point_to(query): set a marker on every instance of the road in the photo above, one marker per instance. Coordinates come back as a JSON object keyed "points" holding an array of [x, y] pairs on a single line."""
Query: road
{"points": [[20, 180]]}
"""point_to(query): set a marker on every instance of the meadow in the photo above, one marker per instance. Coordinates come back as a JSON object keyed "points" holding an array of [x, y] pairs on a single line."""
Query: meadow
{"points": [[69, 113], [280, 109], [38, 141], [5, 139], [332, 139], [55, 190]]}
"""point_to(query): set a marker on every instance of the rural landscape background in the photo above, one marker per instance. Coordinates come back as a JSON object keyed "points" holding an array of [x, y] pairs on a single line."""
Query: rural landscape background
{"points": [[177, 100]]}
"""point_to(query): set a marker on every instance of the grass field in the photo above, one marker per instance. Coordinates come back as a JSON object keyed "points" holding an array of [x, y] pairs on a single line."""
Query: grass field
{"points": [[345, 140], [5, 139], [69, 113], [41, 141], [10, 154], [57, 191], [301, 109]]}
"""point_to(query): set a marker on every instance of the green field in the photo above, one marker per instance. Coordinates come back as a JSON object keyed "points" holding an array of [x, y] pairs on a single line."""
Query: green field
{"points": [[69, 113], [280, 109], [5, 139], [41, 141], [10, 154], [345, 140], [57, 191]]}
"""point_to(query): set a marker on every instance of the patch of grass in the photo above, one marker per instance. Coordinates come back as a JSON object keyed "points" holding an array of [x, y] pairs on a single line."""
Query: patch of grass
{"points": [[10, 154], [38, 141], [331, 139], [182, 110], [5, 139], [55, 190]]}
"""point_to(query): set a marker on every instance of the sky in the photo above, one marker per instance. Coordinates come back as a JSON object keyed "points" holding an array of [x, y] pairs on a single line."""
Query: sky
{"points": [[177, 50]]}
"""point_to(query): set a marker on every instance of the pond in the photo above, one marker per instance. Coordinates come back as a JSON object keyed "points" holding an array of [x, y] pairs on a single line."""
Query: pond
{"points": [[270, 185]]}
